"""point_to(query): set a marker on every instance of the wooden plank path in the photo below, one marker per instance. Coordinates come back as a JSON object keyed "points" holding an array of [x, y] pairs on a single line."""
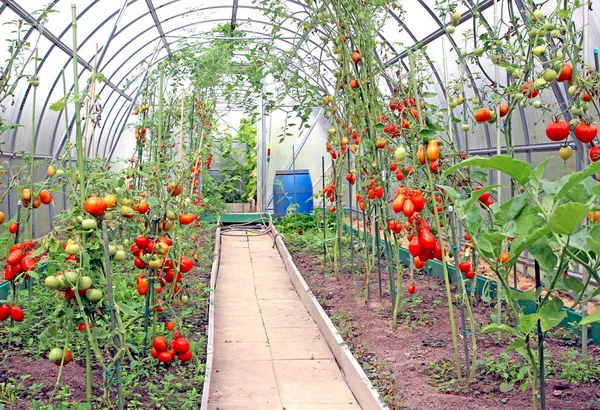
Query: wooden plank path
{"points": [[268, 352]]}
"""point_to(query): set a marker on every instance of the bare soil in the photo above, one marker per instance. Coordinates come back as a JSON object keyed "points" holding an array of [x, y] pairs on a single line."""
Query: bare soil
{"points": [[424, 337]]}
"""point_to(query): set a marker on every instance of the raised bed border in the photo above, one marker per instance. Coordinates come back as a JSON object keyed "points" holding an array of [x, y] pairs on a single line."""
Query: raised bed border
{"points": [[485, 285], [358, 382], [211, 322]]}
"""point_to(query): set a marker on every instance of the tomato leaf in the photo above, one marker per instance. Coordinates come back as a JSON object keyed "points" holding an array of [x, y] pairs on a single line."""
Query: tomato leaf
{"points": [[520, 171], [528, 322], [551, 314], [566, 217], [495, 327], [594, 317], [544, 254], [572, 181]]}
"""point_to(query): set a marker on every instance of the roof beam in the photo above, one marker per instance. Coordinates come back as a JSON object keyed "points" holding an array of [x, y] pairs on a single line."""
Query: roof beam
{"points": [[28, 18], [485, 4], [234, 9], [159, 27]]}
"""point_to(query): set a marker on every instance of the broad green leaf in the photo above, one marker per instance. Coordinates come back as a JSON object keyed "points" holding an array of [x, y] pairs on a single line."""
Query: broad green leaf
{"points": [[517, 344], [528, 322], [505, 387], [476, 194], [520, 171], [544, 254], [536, 176], [551, 314], [126, 309], [573, 180], [455, 196], [511, 208], [529, 295], [566, 217], [495, 327], [594, 317]]}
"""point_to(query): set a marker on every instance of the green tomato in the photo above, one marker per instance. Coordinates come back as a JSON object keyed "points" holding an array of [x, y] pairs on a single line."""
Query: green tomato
{"points": [[549, 26], [52, 282], [89, 223], [518, 96], [478, 52], [400, 153], [574, 123], [85, 282], [539, 83], [450, 29], [60, 173], [550, 75], [455, 18], [572, 90], [125, 242], [93, 295], [517, 73], [79, 219], [465, 127], [332, 131], [538, 51], [120, 255], [72, 249], [55, 354], [533, 33], [559, 55], [457, 87], [565, 153], [575, 110], [440, 114], [538, 15], [112, 249], [72, 277], [585, 106], [537, 104], [62, 282], [460, 100], [452, 103]]}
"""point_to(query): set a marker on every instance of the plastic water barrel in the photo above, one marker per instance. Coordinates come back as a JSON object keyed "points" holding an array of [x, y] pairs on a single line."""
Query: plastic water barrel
{"points": [[284, 194]]}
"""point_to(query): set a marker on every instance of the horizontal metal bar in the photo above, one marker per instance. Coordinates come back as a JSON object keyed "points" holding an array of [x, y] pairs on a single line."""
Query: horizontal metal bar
{"points": [[543, 147]]}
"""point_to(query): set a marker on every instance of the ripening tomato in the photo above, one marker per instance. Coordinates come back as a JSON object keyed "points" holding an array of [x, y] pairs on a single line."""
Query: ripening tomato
{"points": [[45, 196], [482, 115], [503, 110], [174, 191], [557, 130], [142, 286], [94, 206], [408, 208], [433, 151], [586, 132], [356, 56], [186, 219], [503, 258], [186, 264], [170, 326], [421, 154], [412, 288], [529, 90], [566, 73], [13, 227]]}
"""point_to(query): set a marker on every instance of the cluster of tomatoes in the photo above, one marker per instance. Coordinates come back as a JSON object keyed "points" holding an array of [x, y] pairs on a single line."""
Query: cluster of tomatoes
{"points": [[140, 135], [43, 197], [432, 152], [423, 245], [329, 192], [351, 178], [58, 356], [150, 253], [178, 346], [70, 282], [400, 172], [143, 108], [14, 312], [465, 268], [408, 201], [20, 260], [374, 190]]}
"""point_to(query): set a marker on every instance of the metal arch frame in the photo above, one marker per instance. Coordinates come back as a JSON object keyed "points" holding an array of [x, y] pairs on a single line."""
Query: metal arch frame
{"points": [[22, 13], [188, 25], [158, 25], [234, 9], [171, 31], [120, 121]]}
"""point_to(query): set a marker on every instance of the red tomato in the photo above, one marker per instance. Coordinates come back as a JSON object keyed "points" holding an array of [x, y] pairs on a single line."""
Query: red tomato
{"points": [[528, 90], [16, 313], [418, 201], [412, 289], [165, 357], [426, 240], [503, 110], [470, 274], [9, 273], [186, 219], [414, 246], [160, 344], [142, 286], [566, 73], [184, 357], [28, 264], [557, 130], [166, 240], [154, 353], [140, 264], [4, 312], [464, 267], [94, 206], [170, 325], [15, 257], [408, 208], [186, 264], [142, 242], [13, 227], [482, 115], [586, 132], [595, 153], [181, 345]]}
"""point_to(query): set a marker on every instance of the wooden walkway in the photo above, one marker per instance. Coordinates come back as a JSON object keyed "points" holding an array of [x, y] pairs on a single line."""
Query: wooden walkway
{"points": [[268, 352]]}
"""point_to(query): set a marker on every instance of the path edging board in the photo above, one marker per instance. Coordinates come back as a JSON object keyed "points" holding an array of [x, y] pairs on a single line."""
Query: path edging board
{"points": [[211, 322], [360, 385]]}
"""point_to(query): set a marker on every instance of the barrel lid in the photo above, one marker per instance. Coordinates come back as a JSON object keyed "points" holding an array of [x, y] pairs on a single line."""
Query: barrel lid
{"points": [[291, 171]]}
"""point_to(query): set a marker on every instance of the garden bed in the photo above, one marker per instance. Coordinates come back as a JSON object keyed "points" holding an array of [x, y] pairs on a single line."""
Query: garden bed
{"points": [[28, 378], [419, 352]]}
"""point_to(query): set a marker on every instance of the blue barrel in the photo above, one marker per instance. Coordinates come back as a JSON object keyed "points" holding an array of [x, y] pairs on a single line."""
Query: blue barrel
{"points": [[284, 195]]}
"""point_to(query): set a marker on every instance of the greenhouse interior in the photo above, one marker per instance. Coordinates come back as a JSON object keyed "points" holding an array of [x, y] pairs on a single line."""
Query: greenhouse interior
{"points": [[300, 204]]}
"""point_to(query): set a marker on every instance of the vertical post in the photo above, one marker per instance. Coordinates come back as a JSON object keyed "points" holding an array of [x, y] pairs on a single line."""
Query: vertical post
{"points": [[350, 204], [461, 288], [324, 214], [113, 317], [538, 287], [149, 294], [498, 152], [296, 206]]}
